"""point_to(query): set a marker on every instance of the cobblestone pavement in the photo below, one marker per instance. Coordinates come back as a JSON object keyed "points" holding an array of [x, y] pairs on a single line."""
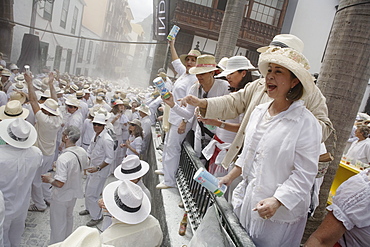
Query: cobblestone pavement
{"points": [[37, 231]]}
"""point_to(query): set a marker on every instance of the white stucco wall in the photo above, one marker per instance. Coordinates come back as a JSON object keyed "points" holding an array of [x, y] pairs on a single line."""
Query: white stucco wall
{"points": [[312, 23]]}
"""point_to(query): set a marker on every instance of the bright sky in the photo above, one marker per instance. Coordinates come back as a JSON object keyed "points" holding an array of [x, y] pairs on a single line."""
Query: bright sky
{"points": [[141, 9]]}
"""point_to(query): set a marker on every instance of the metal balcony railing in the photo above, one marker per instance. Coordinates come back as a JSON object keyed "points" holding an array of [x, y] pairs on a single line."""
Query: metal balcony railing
{"points": [[197, 200]]}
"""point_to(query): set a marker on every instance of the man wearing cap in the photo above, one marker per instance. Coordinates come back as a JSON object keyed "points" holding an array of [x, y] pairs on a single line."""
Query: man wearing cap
{"points": [[48, 123], [245, 100], [101, 154], [14, 72], [132, 224], [67, 185], [19, 161]]}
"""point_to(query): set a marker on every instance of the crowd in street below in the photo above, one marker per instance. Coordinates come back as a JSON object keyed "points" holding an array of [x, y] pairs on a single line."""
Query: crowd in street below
{"points": [[259, 129]]}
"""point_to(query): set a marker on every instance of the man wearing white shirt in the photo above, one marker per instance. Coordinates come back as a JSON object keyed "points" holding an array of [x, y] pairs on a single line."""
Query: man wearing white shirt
{"points": [[67, 185], [19, 161], [101, 154], [48, 123]]}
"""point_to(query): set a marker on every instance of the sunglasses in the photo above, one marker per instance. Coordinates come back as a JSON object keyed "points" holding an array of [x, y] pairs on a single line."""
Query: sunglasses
{"points": [[132, 124], [97, 124]]}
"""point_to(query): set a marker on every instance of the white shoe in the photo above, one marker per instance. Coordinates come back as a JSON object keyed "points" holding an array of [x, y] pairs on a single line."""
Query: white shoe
{"points": [[159, 172]]}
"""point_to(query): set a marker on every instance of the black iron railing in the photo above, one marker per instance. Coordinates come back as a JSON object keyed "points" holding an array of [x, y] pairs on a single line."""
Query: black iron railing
{"points": [[197, 200]]}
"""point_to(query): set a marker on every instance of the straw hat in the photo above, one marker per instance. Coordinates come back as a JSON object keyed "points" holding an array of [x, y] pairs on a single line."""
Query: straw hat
{"points": [[126, 102], [37, 83], [223, 62], [284, 41], [17, 95], [46, 94], [20, 78], [51, 106], [13, 66], [83, 236], [205, 64], [73, 101], [192, 53], [99, 118], [74, 87], [126, 202], [80, 94], [292, 60], [118, 102], [236, 63], [13, 109], [145, 109], [131, 168], [135, 122], [6, 73], [18, 133]]}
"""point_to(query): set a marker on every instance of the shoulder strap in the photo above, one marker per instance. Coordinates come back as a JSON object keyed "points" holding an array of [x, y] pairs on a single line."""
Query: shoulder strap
{"points": [[77, 159]]}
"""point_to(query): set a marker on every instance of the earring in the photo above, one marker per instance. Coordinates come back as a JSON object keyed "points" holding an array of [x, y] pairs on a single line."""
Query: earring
{"points": [[289, 93]]}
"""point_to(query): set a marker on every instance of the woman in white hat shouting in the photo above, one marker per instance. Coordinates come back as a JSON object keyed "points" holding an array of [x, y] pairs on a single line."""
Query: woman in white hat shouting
{"points": [[279, 159]]}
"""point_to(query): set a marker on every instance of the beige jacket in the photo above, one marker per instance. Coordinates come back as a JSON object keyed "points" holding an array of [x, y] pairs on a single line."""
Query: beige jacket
{"points": [[245, 100]]}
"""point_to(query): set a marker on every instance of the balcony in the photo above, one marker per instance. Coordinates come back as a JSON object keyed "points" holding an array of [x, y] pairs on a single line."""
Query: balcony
{"points": [[206, 22]]}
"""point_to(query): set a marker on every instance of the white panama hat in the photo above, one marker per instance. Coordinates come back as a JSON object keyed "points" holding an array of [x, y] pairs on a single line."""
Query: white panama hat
{"points": [[145, 109], [51, 106], [284, 41], [131, 168], [99, 119], [236, 63], [18, 133], [13, 109], [126, 202]]}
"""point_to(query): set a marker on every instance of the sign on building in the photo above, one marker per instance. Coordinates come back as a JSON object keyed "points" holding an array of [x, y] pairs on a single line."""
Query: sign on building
{"points": [[161, 19]]}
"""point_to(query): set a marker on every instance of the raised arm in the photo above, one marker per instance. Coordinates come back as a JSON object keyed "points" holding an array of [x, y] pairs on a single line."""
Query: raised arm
{"points": [[31, 93], [53, 93], [174, 55]]}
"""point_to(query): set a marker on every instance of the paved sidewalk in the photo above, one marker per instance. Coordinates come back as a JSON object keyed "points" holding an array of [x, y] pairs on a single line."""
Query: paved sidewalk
{"points": [[37, 231]]}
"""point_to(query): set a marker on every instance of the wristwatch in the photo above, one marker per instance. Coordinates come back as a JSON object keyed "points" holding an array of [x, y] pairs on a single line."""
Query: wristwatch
{"points": [[184, 120], [98, 167], [222, 126]]}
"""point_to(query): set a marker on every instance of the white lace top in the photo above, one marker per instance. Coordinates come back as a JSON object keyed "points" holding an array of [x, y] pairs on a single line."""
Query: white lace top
{"points": [[351, 205]]}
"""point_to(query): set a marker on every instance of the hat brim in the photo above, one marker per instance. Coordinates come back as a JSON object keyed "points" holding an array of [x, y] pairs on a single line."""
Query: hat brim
{"points": [[18, 144], [118, 213], [301, 73], [3, 116], [46, 108], [227, 72], [201, 70], [122, 176], [143, 111]]}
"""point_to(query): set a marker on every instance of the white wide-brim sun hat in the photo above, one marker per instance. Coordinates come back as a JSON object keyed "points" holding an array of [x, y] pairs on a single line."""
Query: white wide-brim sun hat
{"points": [[18, 133], [50, 105], [290, 59], [131, 168], [236, 63], [126, 202]]}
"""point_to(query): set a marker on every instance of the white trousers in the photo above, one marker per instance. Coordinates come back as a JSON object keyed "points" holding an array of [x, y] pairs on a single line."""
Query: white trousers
{"points": [[40, 190], [61, 219], [94, 187], [13, 229], [171, 154]]}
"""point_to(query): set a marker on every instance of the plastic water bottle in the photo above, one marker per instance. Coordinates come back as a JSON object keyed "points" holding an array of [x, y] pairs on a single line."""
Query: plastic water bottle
{"points": [[159, 83], [208, 181], [174, 31]]}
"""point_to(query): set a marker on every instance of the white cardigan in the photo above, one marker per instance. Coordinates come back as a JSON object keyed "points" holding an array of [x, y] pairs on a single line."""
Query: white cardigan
{"points": [[285, 159]]}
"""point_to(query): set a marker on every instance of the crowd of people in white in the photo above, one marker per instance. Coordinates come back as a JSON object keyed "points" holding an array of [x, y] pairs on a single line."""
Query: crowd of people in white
{"points": [[261, 131]]}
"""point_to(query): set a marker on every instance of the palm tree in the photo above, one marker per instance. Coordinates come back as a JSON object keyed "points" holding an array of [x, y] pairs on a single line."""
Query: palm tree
{"points": [[230, 29], [343, 78]]}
